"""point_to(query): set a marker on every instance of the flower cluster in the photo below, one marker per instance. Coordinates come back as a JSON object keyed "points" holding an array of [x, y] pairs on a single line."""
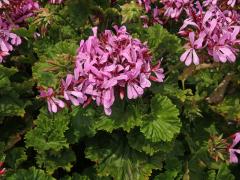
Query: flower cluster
{"points": [[13, 14], [171, 9], [154, 13], [233, 151], [210, 26], [7, 39], [56, 1], [213, 29], [174, 8], [105, 66]]}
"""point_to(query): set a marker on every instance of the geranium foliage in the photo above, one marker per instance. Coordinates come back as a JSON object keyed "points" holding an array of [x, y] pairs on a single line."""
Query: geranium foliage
{"points": [[119, 89]]}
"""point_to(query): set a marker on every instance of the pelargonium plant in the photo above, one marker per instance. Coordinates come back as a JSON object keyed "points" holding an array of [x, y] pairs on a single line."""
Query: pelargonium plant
{"points": [[107, 65], [13, 13], [133, 89]]}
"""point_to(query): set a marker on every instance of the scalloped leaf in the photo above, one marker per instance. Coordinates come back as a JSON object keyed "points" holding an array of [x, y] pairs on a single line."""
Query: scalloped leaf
{"points": [[138, 142], [114, 157], [163, 122], [30, 174], [86, 122], [16, 157], [229, 108], [163, 43], [52, 161], [49, 131], [55, 62], [125, 116]]}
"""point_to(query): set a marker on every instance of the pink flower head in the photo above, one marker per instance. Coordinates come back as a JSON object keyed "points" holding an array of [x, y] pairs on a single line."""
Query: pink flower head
{"points": [[146, 3], [232, 151], [56, 1], [174, 8], [17, 12], [20, 10], [110, 64], [53, 103], [153, 12], [217, 31], [7, 39]]}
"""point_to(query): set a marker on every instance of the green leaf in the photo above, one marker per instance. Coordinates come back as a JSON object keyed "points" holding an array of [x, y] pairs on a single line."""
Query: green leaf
{"points": [[86, 122], [55, 62], [114, 157], [163, 122], [198, 164], [10, 106], [168, 175], [30, 174], [162, 43], [224, 173], [229, 108], [92, 174], [52, 161], [16, 157], [49, 132], [138, 142], [82, 124], [131, 12], [125, 116], [76, 177]]}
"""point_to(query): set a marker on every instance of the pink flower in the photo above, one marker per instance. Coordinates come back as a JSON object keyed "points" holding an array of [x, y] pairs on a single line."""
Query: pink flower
{"points": [[74, 96], [56, 1], [232, 151], [174, 8], [53, 103], [106, 65], [217, 32], [17, 12], [7, 39], [190, 56]]}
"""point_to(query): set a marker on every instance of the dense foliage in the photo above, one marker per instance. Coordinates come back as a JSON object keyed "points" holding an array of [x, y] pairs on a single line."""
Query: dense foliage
{"points": [[117, 89]]}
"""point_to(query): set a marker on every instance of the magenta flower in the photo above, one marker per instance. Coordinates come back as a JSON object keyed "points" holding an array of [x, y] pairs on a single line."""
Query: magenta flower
{"points": [[190, 56], [75, 96], [232, 151], [217, 33], [106, 66], [7, 39], [174, 8], [20, 10], [53, 103], [56, 1], [17, 12]]}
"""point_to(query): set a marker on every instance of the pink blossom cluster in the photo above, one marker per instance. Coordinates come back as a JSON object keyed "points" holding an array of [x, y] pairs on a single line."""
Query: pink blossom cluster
{"points": [[13, 14], [233, 151], [174, 8], [7, 39], [212, 29], [154, 12], [106, 66], [171, 9], [56, 1]]}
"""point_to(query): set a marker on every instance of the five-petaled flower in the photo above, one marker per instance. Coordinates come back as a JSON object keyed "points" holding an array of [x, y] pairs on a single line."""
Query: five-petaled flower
{"points": [[233, 151], [53, 103]]}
